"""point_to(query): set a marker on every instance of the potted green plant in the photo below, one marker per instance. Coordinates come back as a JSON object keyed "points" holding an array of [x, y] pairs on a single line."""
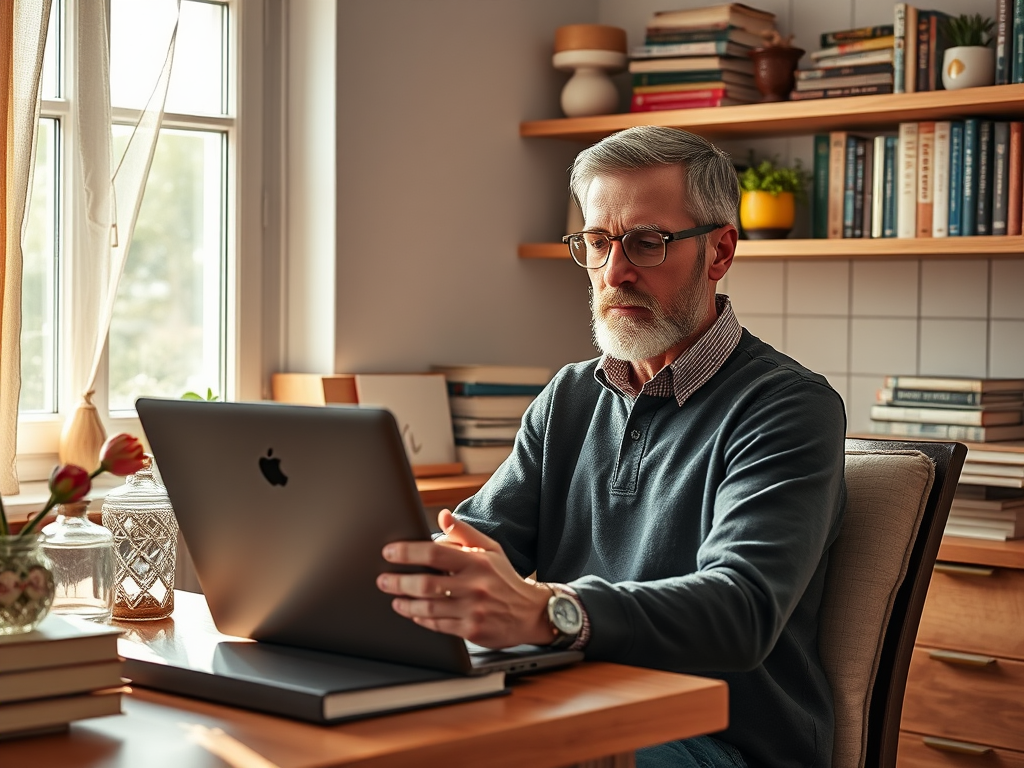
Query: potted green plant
{"points": [[768, 196], [969, 61], [774, 66]]}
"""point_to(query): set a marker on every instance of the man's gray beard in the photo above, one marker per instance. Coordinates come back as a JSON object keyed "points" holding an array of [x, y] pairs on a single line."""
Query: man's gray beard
{"points": [[634, 339]]}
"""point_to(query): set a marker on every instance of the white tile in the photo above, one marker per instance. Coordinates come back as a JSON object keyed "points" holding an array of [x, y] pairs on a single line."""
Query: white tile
{"points": [[883, 347], [885, 288], [768, 328], [756, 287], [954, 289], [1006, 357], [819, 343], [1008, 289], [954, 347], [863, 391], [818, 288]]}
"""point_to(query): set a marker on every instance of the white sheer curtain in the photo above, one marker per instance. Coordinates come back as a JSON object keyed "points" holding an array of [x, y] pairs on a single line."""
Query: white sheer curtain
{"points": [[23, 29], [113, 190]]}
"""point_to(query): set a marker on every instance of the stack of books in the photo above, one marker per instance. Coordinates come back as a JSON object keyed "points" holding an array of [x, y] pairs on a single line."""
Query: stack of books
{"points": [[975, 410], [850, 62], [985, 511], [947, 178], [487, 404], [66, 669], [698, 57]]}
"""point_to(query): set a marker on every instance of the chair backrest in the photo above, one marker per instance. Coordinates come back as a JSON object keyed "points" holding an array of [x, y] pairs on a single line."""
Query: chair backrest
{"points": [[899, 494]]}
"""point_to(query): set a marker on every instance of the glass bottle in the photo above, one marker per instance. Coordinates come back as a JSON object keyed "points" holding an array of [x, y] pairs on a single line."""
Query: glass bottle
{"points": [[26, 583], [145, 532], [82, 554]]}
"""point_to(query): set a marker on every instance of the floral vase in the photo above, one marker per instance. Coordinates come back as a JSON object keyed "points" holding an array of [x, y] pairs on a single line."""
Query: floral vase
{"points": [[26, 584]]}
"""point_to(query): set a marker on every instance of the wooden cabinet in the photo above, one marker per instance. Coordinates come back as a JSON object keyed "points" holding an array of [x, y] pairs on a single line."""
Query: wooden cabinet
{"points": [[964, 704], [757, 121]]}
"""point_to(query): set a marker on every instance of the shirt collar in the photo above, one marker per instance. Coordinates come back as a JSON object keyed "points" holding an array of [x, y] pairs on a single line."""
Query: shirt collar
{"points": [[690, 370]]}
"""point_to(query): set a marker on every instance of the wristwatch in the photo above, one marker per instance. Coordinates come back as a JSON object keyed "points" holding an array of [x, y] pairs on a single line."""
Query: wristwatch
{"points": [[565, 617]]}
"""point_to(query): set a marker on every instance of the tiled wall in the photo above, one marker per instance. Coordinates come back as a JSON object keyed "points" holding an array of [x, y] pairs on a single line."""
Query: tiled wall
{"points": [[856, 321]]}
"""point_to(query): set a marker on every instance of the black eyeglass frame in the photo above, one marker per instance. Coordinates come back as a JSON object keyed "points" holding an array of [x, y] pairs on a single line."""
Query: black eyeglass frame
{"points": [[666, 237]]}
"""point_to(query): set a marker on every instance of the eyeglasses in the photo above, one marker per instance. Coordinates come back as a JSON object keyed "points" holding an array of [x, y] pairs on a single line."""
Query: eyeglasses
{"points": [[643, 247]]}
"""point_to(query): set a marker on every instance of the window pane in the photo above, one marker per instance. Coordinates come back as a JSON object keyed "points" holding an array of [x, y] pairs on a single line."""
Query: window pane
{"points": [[198, 76], [39, 284], [51, 57], [166, 337]]}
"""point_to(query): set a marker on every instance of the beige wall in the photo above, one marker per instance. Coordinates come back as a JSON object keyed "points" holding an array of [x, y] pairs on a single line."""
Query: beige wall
{"points": [[435, 190]]}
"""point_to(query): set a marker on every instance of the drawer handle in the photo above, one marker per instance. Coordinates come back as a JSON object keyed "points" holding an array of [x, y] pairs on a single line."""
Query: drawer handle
{"points": [[963, 570], [960, 747], [961, 659]]}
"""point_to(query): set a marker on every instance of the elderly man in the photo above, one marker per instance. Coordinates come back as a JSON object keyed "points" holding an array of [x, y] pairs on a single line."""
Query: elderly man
{"points": [[677, 496]]}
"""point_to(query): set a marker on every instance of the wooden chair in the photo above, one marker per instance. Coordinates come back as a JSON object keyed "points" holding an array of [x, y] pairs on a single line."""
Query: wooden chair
{"points": [[899, 494]]}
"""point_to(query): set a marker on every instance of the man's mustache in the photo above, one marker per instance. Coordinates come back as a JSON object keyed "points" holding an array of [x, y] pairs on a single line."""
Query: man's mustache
{"points": [[624, 295]]}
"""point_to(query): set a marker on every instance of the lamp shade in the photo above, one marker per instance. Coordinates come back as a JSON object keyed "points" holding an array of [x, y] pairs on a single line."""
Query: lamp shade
{"points": [[590, 37]]}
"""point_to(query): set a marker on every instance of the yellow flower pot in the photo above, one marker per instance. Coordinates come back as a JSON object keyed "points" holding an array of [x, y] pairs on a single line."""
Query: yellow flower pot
{"points": [[765, 216]]}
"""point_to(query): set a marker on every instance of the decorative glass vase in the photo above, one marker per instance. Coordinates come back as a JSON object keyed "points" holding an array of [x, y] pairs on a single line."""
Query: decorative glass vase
{"points": [[82, 554], [26, 584], [145, 532]]}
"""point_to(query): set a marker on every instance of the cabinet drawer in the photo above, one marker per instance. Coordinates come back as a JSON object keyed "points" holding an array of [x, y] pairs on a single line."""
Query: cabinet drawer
{"points": [[980, 704], [980, 610], [913, 752]]}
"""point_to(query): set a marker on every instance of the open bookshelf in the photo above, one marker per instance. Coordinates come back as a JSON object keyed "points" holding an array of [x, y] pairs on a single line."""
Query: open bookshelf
{"points": [[792, 118]]}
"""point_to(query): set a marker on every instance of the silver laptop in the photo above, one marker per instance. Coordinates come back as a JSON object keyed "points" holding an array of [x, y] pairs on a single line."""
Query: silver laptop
{"points": [[285, 510]]}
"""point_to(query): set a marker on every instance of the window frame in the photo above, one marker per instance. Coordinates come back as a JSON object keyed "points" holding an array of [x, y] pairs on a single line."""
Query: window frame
{"points": [[39, 434]]}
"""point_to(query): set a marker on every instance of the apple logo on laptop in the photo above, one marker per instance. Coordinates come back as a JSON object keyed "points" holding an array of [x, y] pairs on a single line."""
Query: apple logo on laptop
{"points": [[271, 469]]}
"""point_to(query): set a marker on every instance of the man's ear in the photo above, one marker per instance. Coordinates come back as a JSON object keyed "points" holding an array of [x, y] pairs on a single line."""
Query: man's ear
{"points": [[724, 249]]}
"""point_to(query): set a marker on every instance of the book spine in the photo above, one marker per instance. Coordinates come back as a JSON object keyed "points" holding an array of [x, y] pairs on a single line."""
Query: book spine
{"points": [[659, 50], [829, 39], [831, 93], [902, 396], [889, 187], [638, 105], [1000, 172], [883, 56], [877, 185], [911, 53], [850, 185], [1016, 51], [1003, 37], [937, 44], [820, 199], [1015, 182], [927, 415], [940, 172], [656, 37], [942, 431], [923, 60], [641, 79], [956, 177], [899, 48], [925, 177], [866, 197], [850, 71], [836, 182], [983, 172], [969, 206], [854, 46], [676, 91], [852, 81], [906, 205]]}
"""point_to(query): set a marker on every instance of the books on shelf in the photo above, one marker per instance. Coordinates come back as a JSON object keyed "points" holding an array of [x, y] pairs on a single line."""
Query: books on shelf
{"points": [[705, 48], [948, 431], [480, 457], [495, 374], [196, 660], [698, 78], [692, 63], [992, 468], [723, 15], [950, 416], [490, 406], [486, 429], [652, 102], [992, 480], [944, 398], [829, 39], [65, 669], [955, 383], [701, 34], [979, 493]]}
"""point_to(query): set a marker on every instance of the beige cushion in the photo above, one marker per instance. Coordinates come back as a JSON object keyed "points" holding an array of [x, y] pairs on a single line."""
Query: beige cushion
{"points": [[887, 494]]}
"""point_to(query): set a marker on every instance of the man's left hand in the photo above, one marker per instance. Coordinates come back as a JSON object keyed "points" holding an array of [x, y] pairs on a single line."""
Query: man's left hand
{"points": [[477, 595]]}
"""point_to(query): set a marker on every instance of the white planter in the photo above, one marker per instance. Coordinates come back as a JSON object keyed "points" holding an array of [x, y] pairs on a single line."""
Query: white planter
{"points": [[968, 66], [590, 91]]}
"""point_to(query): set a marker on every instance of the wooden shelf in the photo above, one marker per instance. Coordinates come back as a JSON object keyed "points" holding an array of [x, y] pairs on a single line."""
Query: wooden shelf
{"points": [[849, 248], [860, 113], [998, 554]]}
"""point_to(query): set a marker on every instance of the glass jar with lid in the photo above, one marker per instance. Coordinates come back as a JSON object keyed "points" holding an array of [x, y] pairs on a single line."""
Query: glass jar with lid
{"points": [[83, 563], [140, 516]]}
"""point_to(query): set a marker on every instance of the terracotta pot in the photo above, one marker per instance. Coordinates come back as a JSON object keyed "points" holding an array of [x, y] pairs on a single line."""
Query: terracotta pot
{"points": [[773, 71], [765, 216]]}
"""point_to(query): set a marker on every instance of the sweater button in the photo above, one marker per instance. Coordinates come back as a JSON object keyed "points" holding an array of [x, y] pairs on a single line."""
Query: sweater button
{"points": [[635, 434]]}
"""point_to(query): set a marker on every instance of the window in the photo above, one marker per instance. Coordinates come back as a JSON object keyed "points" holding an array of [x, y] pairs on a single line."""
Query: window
{"points": [[172, 324]]}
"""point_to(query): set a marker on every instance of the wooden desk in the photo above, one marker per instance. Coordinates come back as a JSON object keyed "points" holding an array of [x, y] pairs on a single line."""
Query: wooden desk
{"points": [[549, 720]]}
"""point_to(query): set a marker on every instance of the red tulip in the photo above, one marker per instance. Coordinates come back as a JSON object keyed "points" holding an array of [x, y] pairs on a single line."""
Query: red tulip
{"points": [[68, 484], [121, 455]]}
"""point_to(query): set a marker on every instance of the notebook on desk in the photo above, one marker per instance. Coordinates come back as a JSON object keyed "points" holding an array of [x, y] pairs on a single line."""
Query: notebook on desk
{"points": [[285, 510]]}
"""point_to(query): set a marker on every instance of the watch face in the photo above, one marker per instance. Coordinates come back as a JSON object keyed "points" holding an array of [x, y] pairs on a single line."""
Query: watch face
{"points": [[566, 615]]}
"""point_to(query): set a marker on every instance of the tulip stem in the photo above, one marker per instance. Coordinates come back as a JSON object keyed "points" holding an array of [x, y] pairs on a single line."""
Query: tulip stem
{"points": [[35, 520]]}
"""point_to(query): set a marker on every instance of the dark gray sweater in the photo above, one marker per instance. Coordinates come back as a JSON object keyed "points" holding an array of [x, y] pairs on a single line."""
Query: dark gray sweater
{"points": [[695, 536]]}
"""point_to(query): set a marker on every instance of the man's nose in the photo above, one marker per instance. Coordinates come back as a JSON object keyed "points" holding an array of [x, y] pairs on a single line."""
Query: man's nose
{"points": [[618, 269]]}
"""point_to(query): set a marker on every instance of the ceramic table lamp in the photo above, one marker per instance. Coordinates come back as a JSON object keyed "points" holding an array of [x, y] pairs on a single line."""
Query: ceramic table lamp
{"points": [[590, 52]]}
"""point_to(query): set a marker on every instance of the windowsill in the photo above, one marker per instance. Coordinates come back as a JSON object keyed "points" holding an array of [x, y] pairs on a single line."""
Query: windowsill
{"points": [[34, 494]]}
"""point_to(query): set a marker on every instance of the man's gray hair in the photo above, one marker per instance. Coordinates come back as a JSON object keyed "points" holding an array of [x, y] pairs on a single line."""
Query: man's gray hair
{"points": [[711, 187]]}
